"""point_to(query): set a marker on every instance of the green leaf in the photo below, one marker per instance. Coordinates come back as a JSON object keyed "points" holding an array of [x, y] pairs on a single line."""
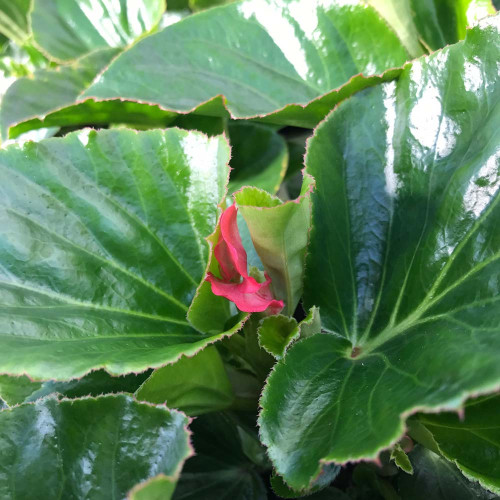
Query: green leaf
{"points": [[328, 474], [103, 248], [68, 30], [259, 157], [280, 234], [88, 448], [49, 89], [14, 390], [14, 20], [399, 15], [276, 333], [437, 479], [401, 459], [275, 58], [472, 442], [404, 262], [220, 468], [194, 385], [434, 23], [159, 488], [93, 384], [440, 22]]}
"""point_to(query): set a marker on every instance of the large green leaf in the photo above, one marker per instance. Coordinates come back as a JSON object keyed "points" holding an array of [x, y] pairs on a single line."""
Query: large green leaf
{"points": [[280, 234], [273, 53], [404, 262], [437, 479], [102, 248], [194, 385], [67, 30], [50, 89], [472, 442], [88, 448], [220, 469]]}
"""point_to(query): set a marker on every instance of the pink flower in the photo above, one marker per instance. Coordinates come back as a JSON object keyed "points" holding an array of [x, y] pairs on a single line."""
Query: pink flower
{"points": [[236, 285]]}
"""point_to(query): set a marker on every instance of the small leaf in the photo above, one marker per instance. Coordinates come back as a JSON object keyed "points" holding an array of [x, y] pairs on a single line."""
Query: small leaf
{"points": [[276, 333], [401, 459], [279, 233], [88, 448], [68, 30], [194, 385]]}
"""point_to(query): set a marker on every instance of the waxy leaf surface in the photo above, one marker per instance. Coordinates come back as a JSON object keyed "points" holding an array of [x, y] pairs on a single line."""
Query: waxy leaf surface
{"points": [[404, 262], [102, 248], [88, 448], [262, 56], [67, 30]]}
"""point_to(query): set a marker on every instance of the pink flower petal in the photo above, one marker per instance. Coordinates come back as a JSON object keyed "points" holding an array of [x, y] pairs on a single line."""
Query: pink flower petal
{"points": [[246, 296], [234, 247]]}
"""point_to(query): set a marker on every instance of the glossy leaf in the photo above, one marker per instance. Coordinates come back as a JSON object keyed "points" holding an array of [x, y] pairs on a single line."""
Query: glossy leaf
{"points": [[194, 385], [220, 469], [50, 89], [259, 157], [102, 248], [88, 448], [68, 30], [404, 262], [275, 58], [471, 442], [279, 233], [437, 479]]}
